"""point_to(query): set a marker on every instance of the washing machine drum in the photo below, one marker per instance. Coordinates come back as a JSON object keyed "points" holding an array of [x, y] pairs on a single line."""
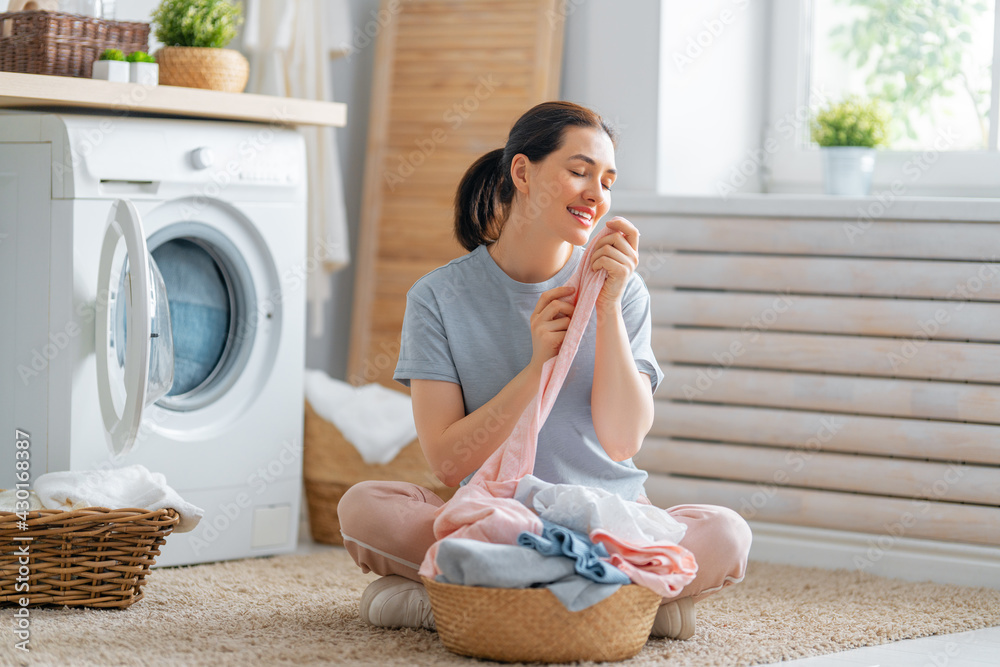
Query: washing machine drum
{"points": [[200, 312], [209, 292]]}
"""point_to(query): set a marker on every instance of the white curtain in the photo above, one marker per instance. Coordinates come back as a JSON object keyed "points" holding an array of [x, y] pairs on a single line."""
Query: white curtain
{"points": [[290, 44]]}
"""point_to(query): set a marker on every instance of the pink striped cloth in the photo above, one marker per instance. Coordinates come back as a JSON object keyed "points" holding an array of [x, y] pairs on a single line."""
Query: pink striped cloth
{"points": [[485, 508]]}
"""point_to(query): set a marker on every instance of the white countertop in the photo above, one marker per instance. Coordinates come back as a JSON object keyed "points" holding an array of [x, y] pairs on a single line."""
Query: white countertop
{"points": [[28, 91]]}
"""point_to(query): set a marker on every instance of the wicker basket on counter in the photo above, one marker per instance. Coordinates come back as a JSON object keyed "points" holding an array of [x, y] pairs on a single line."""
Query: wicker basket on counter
{"points": [[89, 557], [332, 465], [41, 42]]}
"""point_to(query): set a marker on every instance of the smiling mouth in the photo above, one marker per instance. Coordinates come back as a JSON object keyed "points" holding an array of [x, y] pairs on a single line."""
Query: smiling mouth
{"points": [[585, 217]]}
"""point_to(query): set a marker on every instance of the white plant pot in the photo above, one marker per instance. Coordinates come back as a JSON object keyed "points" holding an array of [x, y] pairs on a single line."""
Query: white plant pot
{"points": [[847, 170], [111, 70], [147, 74]]}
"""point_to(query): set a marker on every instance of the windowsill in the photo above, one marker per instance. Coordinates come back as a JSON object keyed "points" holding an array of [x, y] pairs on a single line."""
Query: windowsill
{"points": [[887, 206]]}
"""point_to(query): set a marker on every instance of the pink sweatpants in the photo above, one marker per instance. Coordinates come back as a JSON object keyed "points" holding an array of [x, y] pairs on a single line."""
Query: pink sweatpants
{"points": [[388, 527]]}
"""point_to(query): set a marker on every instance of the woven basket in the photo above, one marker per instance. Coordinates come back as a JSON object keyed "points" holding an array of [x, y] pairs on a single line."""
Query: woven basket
{"points": [[91, 557], [42, 42], [332, 465], [201, 67], [531, 625]]}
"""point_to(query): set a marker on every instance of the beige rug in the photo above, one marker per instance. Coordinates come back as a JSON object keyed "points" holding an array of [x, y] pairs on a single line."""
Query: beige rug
{"points": [[302, 610]]}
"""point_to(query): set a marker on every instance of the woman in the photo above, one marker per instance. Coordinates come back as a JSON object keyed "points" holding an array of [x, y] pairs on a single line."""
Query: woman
{"points": [[475, 336]]}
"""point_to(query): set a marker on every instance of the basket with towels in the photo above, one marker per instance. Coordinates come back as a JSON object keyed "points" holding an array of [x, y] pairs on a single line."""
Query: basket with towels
{"points": [[87, 538], [353, 434]]}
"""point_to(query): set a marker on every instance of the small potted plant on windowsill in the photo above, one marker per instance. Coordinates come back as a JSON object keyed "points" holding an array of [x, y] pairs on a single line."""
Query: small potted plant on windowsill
{"points": [[143, 68], [847, 133], [193, 33], [111, 66]]}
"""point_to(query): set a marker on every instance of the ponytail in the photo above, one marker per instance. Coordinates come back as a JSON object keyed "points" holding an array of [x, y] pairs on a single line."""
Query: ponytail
{"points": [[479, 210], [486, 192]]}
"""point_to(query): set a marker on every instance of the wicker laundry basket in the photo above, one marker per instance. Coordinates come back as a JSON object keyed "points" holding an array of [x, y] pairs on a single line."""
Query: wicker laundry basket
{"points": [[41, 42], [531, 625], [90, 557], [332, 465]]}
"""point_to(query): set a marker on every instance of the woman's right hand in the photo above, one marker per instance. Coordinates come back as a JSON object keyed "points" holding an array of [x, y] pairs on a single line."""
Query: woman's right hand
{"points": [[549, 323]]}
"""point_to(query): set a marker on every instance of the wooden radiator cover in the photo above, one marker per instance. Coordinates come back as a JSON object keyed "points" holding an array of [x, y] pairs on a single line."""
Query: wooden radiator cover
{"points": [[822, 374], [451, 77]]}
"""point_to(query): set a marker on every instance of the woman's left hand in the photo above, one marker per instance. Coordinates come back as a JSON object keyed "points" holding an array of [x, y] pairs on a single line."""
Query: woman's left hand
{"points": [[618, 254]]}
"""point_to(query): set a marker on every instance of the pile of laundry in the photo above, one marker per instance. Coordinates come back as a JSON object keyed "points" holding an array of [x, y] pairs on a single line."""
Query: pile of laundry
{"points": [[591, 543], [504, 508], [127, 487]]}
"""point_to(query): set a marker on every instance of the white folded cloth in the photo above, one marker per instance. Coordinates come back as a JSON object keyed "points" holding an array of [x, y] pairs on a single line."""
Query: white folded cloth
{"points": [[376, 420], [8, 501], [131, 486], [586, 509]]}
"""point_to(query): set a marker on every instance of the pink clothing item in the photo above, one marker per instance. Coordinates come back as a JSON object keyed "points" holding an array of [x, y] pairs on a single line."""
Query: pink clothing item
{"points": [[485, 509], [663, 567], [388, 527]]}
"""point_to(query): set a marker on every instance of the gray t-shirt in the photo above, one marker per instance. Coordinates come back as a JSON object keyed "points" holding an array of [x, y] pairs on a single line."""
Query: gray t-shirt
{"points": [[468, 322]]}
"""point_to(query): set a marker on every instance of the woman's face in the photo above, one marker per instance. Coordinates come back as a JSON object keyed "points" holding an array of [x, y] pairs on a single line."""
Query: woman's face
{"points": [[570, 190]]}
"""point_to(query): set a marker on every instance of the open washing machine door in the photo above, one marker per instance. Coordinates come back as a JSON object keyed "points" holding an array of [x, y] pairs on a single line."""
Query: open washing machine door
{"points": [[134, 341]]}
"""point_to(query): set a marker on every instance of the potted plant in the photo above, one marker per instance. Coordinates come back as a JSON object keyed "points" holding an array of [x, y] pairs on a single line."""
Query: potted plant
{"points": [[194, 33], [111, 66], [848, 132], [143, 68]]}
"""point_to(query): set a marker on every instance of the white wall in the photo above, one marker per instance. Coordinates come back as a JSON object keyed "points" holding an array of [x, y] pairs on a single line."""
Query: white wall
{"points": [[611, 64], [712, 96]]}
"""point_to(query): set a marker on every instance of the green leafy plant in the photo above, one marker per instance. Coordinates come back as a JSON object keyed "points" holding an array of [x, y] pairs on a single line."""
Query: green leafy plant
{"points": [[851, 122], [204, 23], [916, 52], [140, 57], [111, 54]]}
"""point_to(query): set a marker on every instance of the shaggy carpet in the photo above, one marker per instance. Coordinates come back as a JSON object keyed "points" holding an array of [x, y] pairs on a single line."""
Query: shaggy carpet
{"points": [[302, 610]]}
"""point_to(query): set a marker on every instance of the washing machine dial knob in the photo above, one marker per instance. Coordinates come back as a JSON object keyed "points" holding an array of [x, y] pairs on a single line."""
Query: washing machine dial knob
{"points": [[202, 158]]}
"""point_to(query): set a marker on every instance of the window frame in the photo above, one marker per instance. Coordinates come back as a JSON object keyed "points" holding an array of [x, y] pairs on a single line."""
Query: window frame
{"points": [[792, 169]]}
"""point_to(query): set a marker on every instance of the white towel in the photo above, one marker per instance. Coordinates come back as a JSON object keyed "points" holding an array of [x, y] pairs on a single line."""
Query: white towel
{"points": [[131, 486], [376, 420], [8, 501]]}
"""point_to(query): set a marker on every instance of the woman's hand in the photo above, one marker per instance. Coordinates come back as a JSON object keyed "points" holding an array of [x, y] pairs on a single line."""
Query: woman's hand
{"points": [[618, 254], [549, 323]]}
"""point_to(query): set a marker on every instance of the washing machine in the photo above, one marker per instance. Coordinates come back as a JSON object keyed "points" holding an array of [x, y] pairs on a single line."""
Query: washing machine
{"points": [[152, 278]]}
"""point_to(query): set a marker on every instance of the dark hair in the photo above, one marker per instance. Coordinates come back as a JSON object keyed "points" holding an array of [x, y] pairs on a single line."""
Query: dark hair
{"points": [[486, 191]]}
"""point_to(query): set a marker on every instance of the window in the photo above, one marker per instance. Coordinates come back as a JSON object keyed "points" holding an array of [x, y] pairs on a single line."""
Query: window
{"points": [[932, 62]]}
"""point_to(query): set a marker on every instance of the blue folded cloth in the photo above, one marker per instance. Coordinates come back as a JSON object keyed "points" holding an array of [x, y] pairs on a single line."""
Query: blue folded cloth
{"points": [[557, 540], [474, 563]]}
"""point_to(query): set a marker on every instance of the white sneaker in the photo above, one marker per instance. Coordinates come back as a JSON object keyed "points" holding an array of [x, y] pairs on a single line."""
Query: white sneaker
{"points": [[675, 620], [396, 602]]}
